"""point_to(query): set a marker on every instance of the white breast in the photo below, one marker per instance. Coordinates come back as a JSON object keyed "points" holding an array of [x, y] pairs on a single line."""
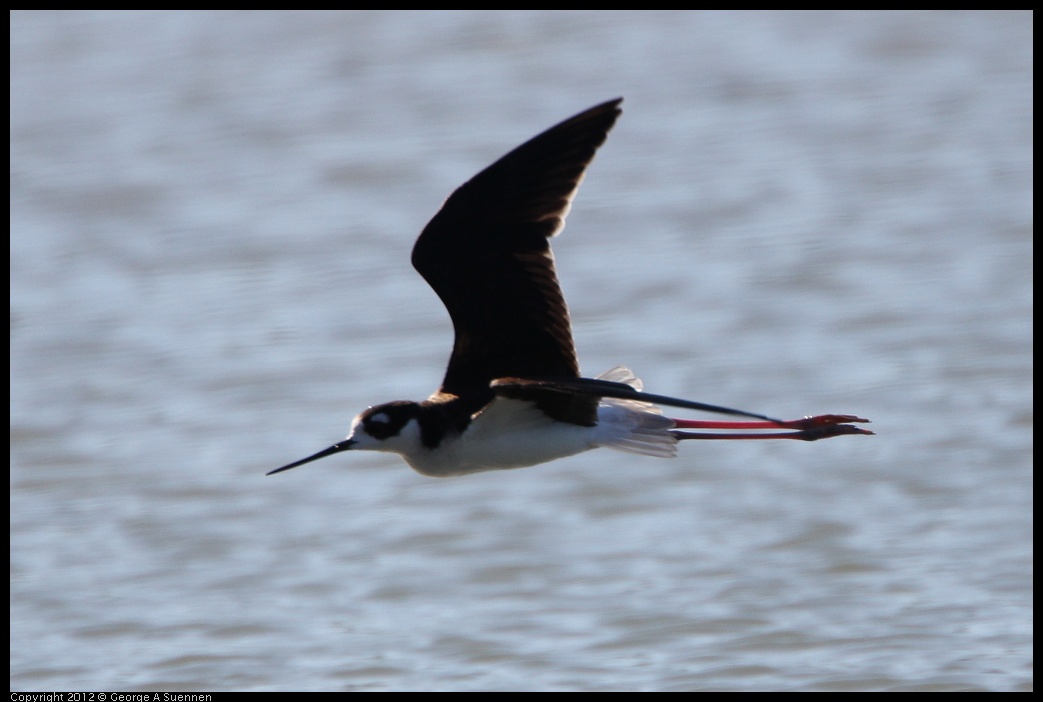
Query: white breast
{"points": [[514, 434], [506, 434]]}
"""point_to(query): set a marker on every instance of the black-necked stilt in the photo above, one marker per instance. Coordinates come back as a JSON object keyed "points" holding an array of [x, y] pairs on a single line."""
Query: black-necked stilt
{"points": [[512, 394]]}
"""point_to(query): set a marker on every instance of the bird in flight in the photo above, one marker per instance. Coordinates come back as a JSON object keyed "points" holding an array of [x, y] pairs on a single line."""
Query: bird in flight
{"points": [[512, 395]]}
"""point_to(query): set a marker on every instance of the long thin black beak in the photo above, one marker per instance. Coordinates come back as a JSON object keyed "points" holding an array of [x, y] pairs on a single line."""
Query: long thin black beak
{"points": [[336, 448]]}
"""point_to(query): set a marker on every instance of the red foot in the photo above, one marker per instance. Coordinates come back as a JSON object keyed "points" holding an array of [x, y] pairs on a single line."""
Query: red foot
{"points": [[829, 425], [825, 426]]}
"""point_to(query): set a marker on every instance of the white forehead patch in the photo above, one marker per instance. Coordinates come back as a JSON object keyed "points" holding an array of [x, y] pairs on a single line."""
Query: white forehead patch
{"points": [[380, 418]]}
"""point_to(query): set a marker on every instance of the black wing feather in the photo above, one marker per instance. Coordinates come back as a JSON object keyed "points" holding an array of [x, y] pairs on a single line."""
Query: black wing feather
{"points": [[564, 395], [487, 255]]}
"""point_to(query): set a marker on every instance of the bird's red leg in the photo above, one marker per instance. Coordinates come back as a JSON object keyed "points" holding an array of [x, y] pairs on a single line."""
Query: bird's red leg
{"points": [[822, 426]]}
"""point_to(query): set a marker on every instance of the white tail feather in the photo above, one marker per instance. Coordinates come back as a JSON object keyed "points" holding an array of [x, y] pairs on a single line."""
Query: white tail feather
{"points": [[632, 426], [622, 374]]}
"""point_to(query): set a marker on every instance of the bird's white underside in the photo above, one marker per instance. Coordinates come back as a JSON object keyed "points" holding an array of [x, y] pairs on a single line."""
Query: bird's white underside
{"points": [[514, 434]]}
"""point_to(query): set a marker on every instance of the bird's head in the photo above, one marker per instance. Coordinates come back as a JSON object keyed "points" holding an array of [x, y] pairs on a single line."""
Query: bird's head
{"points": [[392, 427]]}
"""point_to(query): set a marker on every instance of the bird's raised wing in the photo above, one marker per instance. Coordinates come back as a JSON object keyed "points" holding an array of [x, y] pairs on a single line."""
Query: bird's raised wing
{"points": [[487, 255]]}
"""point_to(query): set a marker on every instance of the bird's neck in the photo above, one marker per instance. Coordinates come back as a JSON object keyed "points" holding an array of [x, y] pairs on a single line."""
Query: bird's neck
{"points": [[442, 415]]}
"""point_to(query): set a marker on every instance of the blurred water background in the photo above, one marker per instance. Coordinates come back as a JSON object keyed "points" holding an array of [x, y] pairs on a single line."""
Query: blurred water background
{"points": [[211, 219]]}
